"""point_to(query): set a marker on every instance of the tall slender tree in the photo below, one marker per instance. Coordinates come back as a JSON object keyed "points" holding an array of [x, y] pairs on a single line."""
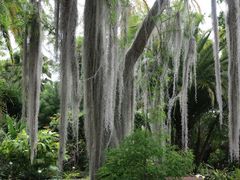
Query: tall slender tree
{"points": [[217, 60], [32, 69], [233, 29], [68, 22], [56, 16], [97, 72]]}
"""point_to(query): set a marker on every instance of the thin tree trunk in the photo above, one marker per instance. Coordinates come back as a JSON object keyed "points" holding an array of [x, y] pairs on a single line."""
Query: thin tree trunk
{"points": [[233, 30], [187, 64], [56, 16], [126, 122], [25, 70], [68, 22], [33, 72], [94, 83], [217, 60]]}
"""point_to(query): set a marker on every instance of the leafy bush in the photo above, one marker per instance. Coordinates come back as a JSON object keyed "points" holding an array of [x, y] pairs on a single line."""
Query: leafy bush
{"points": [[72, 174], [14, 156], [235, 174], [214, 174], [211, 173], [141, 156], [218, 157], [11, 126], [10, 99]]}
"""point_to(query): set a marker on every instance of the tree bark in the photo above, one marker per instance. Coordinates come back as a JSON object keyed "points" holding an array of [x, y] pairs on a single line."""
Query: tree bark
{"points": [[94, 83], [33, 65], [68, 22], [25, 70], [233, 29], [56, 16], [125, 124]]}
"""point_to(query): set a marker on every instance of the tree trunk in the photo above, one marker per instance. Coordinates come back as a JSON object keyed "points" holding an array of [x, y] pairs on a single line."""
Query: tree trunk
{"points": [[25, 70], [233, 28], [32, 76], [68, 22], [95, 99], [56, 16], [125, 124]]}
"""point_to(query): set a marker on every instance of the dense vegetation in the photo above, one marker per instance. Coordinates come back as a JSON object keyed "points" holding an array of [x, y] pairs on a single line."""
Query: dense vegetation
{"points": [[143, 93]]}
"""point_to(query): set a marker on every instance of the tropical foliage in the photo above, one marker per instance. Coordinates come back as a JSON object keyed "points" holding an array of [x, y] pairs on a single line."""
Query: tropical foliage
{"points": [[135, 92]]}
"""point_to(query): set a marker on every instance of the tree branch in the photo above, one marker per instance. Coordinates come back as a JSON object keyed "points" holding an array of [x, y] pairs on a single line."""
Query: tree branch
{"points": [[144, 33]]}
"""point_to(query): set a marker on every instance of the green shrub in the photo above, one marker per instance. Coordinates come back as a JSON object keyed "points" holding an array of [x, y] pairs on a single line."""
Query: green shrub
{"points": [[11, 126], [141, 156], [10, 99], [235, 174], [213, 174], [73, 174], [14, 156]]}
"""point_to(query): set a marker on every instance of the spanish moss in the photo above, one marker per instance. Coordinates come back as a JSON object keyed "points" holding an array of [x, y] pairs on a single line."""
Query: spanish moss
{"points": [[34, 63], [184, 92], [68, 21], [217, 60]]}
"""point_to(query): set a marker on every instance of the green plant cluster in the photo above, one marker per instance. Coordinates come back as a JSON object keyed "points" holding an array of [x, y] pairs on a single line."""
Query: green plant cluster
{"points": [[211, 173], [10, 98], [141, 156], [14, 153]]}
